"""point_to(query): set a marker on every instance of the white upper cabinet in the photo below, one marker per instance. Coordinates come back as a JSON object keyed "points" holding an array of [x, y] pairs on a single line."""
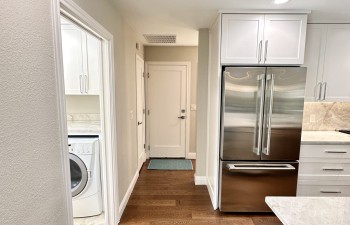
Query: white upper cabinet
{"points": [[336, 72], [72, 59], [284, 38], [81, 60], [276, 39], [327, 58], [242, 36]]}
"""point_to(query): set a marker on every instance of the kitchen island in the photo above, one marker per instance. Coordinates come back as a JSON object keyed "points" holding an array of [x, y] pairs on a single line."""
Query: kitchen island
{"points": [[311, 210]]}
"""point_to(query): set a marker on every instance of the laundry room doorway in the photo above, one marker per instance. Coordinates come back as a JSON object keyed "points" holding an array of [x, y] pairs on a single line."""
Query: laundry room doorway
{"points": [[86, 88]]}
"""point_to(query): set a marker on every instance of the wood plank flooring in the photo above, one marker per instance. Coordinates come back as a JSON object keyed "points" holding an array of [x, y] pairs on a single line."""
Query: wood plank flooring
{"points": [[171, 198]]}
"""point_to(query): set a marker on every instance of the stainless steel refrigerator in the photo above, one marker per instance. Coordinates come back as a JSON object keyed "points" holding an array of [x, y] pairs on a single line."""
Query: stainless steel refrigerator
{"points": [[261, 120]]}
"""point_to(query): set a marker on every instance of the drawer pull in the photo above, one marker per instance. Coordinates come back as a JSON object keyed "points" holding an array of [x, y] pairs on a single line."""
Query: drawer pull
{"points": [[330, 192], [335, 151], [333, 169]]}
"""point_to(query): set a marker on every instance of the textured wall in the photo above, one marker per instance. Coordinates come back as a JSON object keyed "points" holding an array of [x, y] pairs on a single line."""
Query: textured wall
{"points": [[125, 40], [169, 54], [326, 115], [32, 183], [202, 101]]}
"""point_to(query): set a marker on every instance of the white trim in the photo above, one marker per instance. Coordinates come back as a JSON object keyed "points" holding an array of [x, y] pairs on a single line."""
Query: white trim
{"points": [[128, 193], [191, 155], [268, 11], [188, 99], [143, 157], [61, 105], [107, 99], [200, 180], [212, 195]]}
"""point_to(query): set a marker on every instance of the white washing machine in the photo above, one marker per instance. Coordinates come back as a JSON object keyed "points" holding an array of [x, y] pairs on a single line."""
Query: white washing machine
{"points": [[85, 175]]}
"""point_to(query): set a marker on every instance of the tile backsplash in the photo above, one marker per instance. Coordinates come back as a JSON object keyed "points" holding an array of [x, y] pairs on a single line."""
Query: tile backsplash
{"points": [[326, 115]]}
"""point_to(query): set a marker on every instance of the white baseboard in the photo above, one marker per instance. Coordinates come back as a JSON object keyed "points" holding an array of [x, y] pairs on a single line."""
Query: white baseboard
{"points": [[212, 195], [191, 155], [128, 194], [200, 180]]}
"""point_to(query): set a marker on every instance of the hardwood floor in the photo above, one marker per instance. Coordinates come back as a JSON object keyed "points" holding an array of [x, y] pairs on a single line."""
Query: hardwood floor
{"points": [[171, 198]]}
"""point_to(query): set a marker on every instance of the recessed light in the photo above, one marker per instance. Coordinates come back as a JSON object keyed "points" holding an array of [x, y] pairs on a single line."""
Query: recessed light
{"points": [[278, 2]]}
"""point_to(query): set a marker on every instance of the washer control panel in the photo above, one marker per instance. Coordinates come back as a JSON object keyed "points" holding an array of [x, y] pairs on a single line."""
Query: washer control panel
{"points": [[82, 146], [81, 149]]}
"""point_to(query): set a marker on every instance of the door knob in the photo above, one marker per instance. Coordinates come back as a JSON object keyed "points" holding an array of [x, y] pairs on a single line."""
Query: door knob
{"points": [[139, 123], [182, 117]]}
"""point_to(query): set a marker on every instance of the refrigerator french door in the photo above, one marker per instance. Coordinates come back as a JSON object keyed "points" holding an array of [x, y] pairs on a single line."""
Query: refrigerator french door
{"points": [[262, 111]]}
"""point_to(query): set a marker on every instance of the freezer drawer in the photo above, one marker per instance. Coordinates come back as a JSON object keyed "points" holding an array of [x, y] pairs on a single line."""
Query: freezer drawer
{"points": [[244, 185]]}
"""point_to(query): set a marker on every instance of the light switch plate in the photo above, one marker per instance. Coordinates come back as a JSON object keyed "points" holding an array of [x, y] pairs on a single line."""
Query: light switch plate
{"points": [[131, 114], [193, 107]]}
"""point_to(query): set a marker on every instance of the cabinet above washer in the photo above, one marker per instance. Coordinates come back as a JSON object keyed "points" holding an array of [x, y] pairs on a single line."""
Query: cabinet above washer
{"points": [[263, 39], [81, 60]]}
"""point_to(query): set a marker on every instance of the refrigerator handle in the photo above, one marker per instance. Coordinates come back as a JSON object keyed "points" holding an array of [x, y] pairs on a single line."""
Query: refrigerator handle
{"points": [[272, 80], [261, 112], [259, 166]]}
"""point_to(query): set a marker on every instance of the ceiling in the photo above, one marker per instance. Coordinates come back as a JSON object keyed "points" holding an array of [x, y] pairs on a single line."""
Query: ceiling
{"points": [[184, 17]]}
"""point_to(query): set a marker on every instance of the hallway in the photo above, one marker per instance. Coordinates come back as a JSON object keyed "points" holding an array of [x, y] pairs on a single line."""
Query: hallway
{"points": [[170, 197]]}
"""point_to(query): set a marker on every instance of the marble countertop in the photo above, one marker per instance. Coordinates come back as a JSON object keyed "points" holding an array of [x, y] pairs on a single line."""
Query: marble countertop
{"points": [[84, 127], [311, 210], [324, 137]]}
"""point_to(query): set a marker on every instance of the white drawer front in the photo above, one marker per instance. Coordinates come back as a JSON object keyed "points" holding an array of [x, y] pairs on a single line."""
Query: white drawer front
{"points": [[325, 151], [323, 190], [321, 168]]}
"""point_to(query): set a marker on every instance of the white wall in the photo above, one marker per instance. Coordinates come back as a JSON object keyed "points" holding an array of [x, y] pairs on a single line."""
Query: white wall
{"points": [[83, 104], [32, 182], [176, 54], [125, 40]]}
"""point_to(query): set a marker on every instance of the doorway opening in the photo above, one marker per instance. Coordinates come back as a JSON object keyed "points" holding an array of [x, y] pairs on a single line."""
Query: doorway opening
{"points": [[86, 88]]}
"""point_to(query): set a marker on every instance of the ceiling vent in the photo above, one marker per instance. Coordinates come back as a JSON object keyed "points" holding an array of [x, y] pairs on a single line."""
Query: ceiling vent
{"points": [[160, 38]]}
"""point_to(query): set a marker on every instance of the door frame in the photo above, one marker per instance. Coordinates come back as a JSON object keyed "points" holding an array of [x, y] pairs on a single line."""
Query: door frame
{"points": [[137, 57], [188, 101], [107, 107]]}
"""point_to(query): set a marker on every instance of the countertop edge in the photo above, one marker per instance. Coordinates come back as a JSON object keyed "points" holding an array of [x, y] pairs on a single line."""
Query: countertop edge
{"points": [[270, 204]]}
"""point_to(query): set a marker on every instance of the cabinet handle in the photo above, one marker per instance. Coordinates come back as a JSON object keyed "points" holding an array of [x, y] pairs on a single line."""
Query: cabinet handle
{"points": [[86, 84], [324, 90], [335, 151], [330, 192], [80, 84], [318, 91], [260, 50], [266, 44], [333, 169]]}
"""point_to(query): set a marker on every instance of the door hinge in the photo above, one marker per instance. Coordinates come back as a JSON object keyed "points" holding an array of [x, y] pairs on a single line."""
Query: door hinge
{"points": [[148, 75], [148, 112], [144, 146], [149, 147]]}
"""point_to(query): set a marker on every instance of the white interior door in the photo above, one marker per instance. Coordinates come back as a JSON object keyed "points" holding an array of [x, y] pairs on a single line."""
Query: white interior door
{"points": [[167, 89], [140, 90]]}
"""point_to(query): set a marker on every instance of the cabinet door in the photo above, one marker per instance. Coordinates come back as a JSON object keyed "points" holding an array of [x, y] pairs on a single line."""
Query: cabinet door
{"points": [[337, 63], [94, 68], [285, 39], [241, 38], [72, 59], [314, 60]]}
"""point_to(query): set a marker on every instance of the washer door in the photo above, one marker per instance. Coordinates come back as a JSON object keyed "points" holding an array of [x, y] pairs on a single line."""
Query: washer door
{"points": [[78, 174]]}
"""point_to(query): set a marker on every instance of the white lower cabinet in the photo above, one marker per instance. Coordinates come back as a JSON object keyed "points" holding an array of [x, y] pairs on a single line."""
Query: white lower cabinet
{"points": [[324, 170]]}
